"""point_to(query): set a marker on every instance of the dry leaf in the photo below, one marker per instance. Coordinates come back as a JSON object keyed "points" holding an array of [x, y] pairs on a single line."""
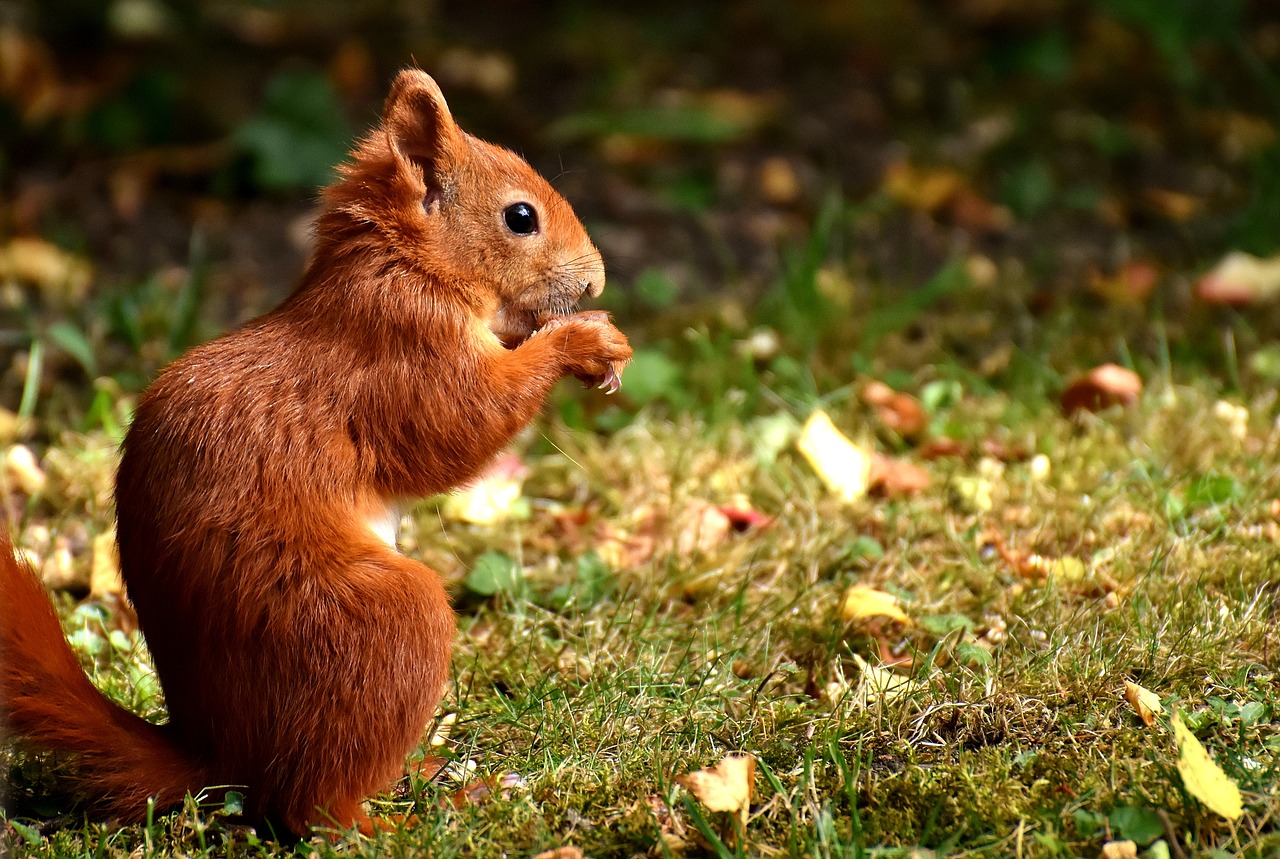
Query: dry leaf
{"points": [[743, 517], [1130, 285], [63, 276], [1144, 702], [104, 575], [1239, 279], [24, 471], [1102, 387], [880, 684], [1203, 778], [899, 412], [702, 527], [59, 571], [843, 466], [892, 476], [566, 852], [861, 602], [725, 787], [779, 184], [1119, 850], [493, 497], [925, 189], [1174, 205]]}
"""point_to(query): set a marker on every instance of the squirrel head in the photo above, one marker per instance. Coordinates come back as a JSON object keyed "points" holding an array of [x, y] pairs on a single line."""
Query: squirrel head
{"points": [[472, 220]]}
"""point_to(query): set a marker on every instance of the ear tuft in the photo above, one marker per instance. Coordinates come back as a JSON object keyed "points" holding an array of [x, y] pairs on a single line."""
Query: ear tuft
{"points": [[419, 127]]}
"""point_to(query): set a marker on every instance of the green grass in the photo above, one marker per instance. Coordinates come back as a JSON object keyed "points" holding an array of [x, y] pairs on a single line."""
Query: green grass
{"points": [[1017, 740]]}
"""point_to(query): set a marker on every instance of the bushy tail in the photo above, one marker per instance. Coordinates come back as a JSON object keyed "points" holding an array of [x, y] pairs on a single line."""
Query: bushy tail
{"points": [[47, 703]]}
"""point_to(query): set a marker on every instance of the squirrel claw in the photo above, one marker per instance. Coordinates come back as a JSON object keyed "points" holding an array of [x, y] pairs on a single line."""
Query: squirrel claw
{"points": [[612, 381]]}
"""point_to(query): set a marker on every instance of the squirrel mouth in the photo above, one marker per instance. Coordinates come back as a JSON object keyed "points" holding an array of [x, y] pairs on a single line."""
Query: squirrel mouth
{"points": [[513, 325]]}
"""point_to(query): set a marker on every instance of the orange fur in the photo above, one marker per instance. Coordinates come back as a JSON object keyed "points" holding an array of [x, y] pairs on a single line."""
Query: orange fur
{"points": [[300, 655]]}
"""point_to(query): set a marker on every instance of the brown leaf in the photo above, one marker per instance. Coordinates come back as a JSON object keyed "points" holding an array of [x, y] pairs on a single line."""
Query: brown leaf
{"points": [[744, 518], [1131, 284], [893, 477], [1174, 205], [943, 446], [1100, 388], [566, 852], [702, 526], [925, 189], [472, 793], [975, 213], [1240, 279], [899, 412]]}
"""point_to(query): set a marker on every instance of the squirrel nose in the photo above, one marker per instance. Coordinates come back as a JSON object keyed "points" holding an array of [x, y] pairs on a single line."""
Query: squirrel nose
{"points": [[593, 286]]}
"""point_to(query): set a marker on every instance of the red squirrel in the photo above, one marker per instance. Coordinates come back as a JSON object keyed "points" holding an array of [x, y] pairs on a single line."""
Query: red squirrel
{"points": [[300, 654]]}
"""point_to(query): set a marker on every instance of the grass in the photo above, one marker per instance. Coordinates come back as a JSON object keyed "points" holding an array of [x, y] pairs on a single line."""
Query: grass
{"points": [[582, 707]]}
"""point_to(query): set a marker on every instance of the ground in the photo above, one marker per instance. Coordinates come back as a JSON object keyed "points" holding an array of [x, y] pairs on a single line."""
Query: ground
{"points": [[927, 223]]}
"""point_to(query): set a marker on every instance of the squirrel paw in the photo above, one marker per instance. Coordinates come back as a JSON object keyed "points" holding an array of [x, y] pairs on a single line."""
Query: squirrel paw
{"points": [[592, 349]]}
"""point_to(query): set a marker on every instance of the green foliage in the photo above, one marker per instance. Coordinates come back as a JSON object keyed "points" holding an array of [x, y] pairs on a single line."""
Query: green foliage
{"points": [[495, 573], [1138, 824], [299, 134]]}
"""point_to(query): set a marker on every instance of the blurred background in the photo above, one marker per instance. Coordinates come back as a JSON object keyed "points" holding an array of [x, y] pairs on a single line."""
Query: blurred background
{"points": [[788, 194]]}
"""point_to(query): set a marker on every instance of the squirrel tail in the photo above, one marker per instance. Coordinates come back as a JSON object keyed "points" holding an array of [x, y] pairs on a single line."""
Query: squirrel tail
{"points": [[47, 703]]}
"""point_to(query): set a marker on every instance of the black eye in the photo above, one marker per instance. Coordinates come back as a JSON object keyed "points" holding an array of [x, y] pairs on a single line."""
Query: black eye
{"points": [[521, 219]]}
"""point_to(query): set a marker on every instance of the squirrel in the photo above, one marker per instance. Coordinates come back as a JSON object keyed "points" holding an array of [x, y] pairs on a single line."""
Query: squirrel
{"points": [[300, 654]]}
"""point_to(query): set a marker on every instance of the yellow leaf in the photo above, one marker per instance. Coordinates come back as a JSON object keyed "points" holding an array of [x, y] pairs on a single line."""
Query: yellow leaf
{"points": [[862, 602], [63, 275], [724, 787], [1203, 778], [104, 574], [843, 466], [881, 684], [493, 497], [1119, 850], [1144, 702], [24, 471]]}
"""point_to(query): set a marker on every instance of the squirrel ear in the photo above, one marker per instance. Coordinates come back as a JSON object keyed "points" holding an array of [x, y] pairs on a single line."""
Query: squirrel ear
{"points": [[419, 126]]}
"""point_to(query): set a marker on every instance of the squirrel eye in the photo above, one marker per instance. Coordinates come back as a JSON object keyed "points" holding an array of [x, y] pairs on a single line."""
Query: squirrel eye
{"points": [[521, 219]]}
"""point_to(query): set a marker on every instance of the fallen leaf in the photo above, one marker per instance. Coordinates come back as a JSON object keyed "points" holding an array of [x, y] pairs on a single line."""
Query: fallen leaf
{"points": [[925, 189], [1119, 850], [104, 575], [702, 527], [843, 466], [59, 571], [1100, 388], [493, 498], [24, 471], [1240, 279], [1174, 205], [861, 602], [743, 517], [899, 412], [943, 446], [56, 273], [566, 852], [725, 787], [880, 684], [1131, 284], [1144, 702], [778, 181], [892, 476], [1203, 778]]}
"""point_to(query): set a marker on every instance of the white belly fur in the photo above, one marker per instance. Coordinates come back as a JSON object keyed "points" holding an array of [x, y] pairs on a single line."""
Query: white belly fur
{"points": [[386, 524]]}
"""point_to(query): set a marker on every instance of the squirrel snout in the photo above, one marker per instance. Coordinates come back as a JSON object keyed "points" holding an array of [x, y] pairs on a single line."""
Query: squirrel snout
{"points": [[593, 286]]}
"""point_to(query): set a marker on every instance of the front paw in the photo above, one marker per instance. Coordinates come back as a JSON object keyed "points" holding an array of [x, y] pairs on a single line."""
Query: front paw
{"points": [[591, 348]]}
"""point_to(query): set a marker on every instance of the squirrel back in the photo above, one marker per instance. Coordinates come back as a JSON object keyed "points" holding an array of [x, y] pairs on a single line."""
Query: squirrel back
{"points": [[300, 654]]}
